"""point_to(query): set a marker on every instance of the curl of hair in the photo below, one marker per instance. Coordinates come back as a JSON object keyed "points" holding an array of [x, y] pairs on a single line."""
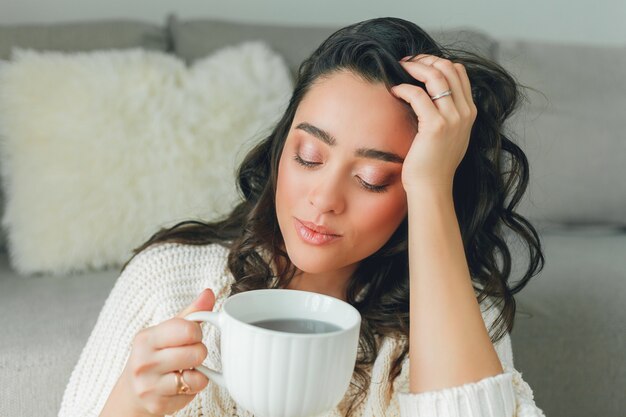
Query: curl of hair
{"points": [[493, 170]]}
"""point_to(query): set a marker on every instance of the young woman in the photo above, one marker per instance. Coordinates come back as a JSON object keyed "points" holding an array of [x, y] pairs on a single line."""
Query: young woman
{"points": [[385, 184]]}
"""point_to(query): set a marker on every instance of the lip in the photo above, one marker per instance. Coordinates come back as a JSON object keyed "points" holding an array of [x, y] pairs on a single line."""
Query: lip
{"points": [[311, 236], [318, 229]]}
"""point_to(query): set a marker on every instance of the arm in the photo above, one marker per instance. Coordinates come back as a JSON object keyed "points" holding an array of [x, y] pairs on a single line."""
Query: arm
{"points": [[449, 343], [454, 369], [502, 395]]}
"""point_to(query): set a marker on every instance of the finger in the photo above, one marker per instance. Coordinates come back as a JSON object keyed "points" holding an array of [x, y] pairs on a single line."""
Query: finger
{"points": [[465, 82], [204, 302], [182, 357], [173, 332], [436, 83], [167, 384], [467, 87], [448, 68], [420, 102]]}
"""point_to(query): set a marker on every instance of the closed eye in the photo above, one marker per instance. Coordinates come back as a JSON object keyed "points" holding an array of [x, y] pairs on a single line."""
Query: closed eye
{"points": [[367, 186]]}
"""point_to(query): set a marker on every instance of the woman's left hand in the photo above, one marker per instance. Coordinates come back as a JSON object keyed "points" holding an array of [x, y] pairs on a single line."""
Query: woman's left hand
{"points": [[444, 125]]}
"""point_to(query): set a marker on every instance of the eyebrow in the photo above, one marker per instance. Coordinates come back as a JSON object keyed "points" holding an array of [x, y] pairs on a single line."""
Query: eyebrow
{"points": [[330, 140]]}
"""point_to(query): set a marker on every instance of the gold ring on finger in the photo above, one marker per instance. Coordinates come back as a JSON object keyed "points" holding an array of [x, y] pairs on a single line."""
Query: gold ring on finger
{"points": [[181, 385]]}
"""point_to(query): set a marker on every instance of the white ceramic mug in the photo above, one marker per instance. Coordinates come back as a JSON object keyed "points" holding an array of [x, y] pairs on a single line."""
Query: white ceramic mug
{"points": [[281, 374]]}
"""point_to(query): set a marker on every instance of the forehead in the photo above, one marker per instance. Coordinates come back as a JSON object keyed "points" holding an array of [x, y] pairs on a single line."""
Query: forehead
{"points": [[352, 108]]}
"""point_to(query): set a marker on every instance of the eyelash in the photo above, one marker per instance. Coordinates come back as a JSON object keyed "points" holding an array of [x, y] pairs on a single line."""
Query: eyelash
{"points": [[369, 187]]}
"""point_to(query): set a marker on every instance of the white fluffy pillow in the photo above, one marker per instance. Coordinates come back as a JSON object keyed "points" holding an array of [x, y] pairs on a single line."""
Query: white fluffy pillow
{"points": [[100, 149]]}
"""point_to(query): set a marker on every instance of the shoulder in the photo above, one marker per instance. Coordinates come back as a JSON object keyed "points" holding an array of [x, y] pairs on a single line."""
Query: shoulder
{"points": [[163, 255], [173, 274], [168, 260]]}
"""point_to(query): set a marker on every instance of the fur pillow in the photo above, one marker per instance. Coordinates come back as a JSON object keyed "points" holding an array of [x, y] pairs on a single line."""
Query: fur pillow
{"points": [[100, 149]]}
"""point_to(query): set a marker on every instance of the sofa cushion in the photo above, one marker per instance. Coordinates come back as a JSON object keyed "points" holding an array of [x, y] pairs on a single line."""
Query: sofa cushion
{"points": [[572, 130], [79, 36], [45, 323], [568, 336], [82, 36], [193, 39], [101, 149]]}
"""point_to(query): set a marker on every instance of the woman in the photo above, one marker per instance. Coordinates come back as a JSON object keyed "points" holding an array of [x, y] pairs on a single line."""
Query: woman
{"points": [[384, 185]]}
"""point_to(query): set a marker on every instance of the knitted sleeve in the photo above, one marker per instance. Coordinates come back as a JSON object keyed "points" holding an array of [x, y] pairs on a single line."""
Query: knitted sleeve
{"points": [[157, 277], [503, 395], [126, 310]]}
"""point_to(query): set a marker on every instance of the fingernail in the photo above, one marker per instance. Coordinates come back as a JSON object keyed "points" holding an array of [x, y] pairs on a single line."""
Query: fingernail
{"points": [[201, 294]]}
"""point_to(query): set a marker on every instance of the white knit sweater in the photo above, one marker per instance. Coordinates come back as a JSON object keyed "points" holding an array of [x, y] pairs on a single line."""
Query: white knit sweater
{"points": [[163, 279]]}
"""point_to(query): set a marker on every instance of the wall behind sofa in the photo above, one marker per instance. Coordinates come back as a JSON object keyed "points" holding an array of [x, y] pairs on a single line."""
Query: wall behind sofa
{"points": [[597, 22]]}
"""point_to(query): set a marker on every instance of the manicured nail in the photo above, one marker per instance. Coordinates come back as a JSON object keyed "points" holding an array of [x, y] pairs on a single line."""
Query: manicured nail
{"points": [[201, 293]]}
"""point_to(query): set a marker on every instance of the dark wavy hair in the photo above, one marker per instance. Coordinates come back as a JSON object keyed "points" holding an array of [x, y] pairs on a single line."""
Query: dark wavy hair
{"points": [[493, 170]]}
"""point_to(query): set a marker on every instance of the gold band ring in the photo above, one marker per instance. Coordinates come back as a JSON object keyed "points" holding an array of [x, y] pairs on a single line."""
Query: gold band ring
{"points": [[181, 385]]}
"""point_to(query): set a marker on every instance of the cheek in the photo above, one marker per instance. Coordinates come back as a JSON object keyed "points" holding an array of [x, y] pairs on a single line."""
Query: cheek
{"points": [[289, 187], [384, 213]]}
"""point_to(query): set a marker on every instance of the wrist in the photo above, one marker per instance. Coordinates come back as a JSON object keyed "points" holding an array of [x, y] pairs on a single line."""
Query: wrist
{"points": [[431, 188], [121, 403]]}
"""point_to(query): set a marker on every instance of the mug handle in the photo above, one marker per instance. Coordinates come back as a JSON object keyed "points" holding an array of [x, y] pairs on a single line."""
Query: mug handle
{"points": [[213, 318]]}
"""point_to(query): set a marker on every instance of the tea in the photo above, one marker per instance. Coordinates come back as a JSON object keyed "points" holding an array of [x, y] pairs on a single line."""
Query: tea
{"points": [[291, 325]]}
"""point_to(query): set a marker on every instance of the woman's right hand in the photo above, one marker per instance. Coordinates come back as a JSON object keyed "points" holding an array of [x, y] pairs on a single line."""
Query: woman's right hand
{"points": [[158, 352]]}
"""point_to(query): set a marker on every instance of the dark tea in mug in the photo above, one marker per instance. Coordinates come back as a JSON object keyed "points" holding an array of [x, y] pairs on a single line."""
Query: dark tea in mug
{"points": [[291, 325]]}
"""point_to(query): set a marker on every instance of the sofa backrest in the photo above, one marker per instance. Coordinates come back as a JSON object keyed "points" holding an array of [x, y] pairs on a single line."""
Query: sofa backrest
{"points": [[194, 39], [572, 131], [83, 36]]}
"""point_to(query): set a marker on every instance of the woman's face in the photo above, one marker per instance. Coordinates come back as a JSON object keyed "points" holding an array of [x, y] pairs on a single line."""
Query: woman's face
{"points": [[334, 191]]}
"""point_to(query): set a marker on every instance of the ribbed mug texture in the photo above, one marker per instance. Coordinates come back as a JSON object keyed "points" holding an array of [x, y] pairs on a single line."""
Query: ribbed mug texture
{"points": [[278, 374]]}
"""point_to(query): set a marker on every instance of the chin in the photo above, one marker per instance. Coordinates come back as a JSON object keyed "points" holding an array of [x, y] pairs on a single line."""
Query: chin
{"points": [[307, 260]]}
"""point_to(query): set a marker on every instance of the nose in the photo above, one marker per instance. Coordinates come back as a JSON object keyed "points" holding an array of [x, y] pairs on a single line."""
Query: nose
{"points": [[327, 194]]}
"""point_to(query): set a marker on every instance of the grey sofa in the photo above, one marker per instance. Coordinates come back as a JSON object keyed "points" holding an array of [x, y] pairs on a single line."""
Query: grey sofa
{"points": [[569, 339]]}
